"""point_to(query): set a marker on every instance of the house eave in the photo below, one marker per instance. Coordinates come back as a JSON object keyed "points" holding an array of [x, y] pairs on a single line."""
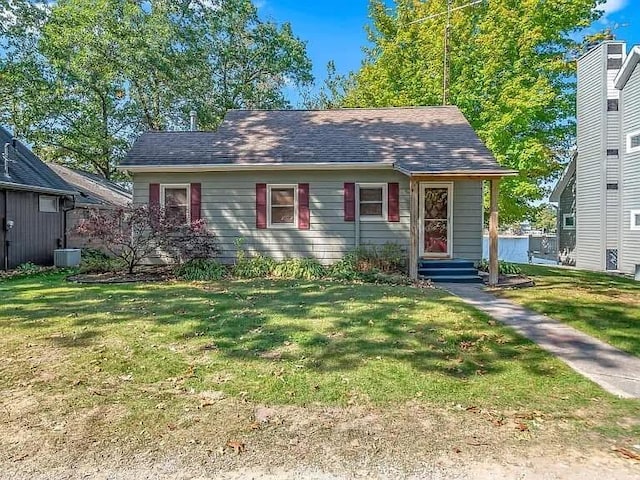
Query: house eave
{"points": [[230, 167], [30, 188], [478, 174], [627, 68]]}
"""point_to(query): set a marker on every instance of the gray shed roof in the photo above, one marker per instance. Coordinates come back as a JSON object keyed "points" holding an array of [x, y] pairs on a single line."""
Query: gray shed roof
{"points": [[94, 190], [27, 171], [413, 140]]}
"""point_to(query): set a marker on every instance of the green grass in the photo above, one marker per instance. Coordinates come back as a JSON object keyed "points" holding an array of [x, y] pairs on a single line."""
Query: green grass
{"points": [[274, 342], [601, 305]]}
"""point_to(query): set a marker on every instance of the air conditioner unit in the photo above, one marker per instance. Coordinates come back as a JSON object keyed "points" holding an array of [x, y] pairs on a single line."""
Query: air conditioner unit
{"points": [[66, 257]]}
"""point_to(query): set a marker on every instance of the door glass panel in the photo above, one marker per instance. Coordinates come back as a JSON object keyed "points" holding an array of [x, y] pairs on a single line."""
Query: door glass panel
{"points": [[436, 222]]}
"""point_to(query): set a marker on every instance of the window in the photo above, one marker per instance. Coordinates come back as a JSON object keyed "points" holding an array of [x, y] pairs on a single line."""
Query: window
{"points": [[175, 201], [373, 201], [612, 152], [612, 105], [635, 219], [612, 186], [569, 221], [615, 48], [48, 203], [282, 205], [614, 63], [633, 141], [612, 259]]}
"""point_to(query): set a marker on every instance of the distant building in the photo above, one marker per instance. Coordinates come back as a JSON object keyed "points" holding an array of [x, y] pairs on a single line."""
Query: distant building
{"points": [[599, 194]]}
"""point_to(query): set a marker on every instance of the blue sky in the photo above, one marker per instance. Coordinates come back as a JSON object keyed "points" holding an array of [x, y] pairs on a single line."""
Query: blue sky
{"points": [[334, 29]]}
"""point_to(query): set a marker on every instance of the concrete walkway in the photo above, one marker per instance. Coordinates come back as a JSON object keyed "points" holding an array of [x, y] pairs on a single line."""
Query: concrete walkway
{"points": [[615, 371]]}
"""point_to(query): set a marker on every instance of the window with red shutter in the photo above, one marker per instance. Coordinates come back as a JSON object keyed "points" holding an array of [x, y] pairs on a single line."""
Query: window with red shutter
{"points": [[349, 202], [196, 202], [304, 218], [261, 205], [393, 202]]}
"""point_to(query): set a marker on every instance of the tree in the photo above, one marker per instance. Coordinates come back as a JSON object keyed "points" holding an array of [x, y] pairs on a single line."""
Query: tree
{"points": [[85, 77], [545, 218], [135, 233], [511, 74]]}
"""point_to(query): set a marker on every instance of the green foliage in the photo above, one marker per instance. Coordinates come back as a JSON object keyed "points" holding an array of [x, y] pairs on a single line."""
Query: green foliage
{"points": [[345, 269], [299, 268], [545, 218], [28, 268], [511, 73], [504, 268], [201, 269], [253, 266], [389, 257], [96, 261], [83, 77]]}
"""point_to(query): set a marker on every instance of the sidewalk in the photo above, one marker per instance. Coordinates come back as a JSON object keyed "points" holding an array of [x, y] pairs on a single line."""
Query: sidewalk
{"points": [[615, 371]]}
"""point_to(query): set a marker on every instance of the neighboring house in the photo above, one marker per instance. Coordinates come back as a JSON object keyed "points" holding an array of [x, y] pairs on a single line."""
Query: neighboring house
{"points": [[33, 201], [319, 183], [605, 174], [564, 194], [94, 192]]}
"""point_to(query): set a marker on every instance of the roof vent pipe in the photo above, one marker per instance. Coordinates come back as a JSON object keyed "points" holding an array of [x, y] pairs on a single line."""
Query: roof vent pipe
{"points": [[194, 120], [5, 160]]}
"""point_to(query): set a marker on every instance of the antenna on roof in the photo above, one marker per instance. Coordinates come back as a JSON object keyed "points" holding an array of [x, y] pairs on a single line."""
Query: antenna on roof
{"points": [[6, 159], [447, 51]]}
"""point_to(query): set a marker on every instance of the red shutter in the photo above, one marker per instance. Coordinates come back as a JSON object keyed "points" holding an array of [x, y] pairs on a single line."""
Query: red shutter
{"points": [[196, 204], [154, 195], [349, 202], [393, 203], [304, 219], [261, 205]]}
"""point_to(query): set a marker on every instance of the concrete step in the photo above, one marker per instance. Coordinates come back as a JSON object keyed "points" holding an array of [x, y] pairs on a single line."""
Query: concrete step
{"points": [[447, 272], [454, 279], [455, 263]]}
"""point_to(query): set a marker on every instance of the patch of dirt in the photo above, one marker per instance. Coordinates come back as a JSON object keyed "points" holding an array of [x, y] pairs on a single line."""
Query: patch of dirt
{"points": [[510, 281], [277, 442]]}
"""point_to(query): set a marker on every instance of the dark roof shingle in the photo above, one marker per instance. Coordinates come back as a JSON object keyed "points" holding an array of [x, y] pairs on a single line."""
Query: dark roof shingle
{"points": [[27, 171], [93, 189], [429, 139]]}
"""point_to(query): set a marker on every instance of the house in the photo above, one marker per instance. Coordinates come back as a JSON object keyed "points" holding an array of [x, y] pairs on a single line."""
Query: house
{"points": [[564, 194], [599, 194], [93, 192], [319, 183], [33, 204]]}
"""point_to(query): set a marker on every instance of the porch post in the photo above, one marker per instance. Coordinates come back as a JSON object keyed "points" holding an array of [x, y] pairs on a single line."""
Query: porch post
{"points": [[493, 232], [414, 210]]}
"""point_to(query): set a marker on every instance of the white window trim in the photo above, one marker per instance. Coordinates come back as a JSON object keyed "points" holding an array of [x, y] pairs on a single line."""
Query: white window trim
{"points": [[632, 220], [56, 203], [164, 186], [565, 216], [385, 200], [271, 186], [629, 148]]}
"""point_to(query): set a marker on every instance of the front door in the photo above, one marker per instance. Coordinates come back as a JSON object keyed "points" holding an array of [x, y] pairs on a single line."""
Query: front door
{"points": [[435, 212]]}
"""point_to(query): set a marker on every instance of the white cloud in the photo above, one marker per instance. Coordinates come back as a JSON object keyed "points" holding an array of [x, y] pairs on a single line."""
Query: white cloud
{"points": [[612, 6]]}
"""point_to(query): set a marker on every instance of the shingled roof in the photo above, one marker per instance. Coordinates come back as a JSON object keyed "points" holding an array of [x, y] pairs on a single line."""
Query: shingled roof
{"points": [[27, 171], [413, 140], [94, 190]]}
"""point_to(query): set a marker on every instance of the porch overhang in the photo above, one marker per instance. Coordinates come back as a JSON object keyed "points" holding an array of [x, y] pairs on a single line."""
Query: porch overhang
{"points": [[493, 177]]}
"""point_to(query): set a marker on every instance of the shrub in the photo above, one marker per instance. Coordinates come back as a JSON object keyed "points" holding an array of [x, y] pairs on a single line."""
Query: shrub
{"points": [[201, 269], [504, 268], [389, 257], [27, 268], [100, 263], [255, 266], [302, 268], [345, 269]]}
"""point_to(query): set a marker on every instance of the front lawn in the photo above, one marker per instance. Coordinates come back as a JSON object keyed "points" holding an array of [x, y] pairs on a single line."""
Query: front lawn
{"points": [[601, 305], [176, 366]]}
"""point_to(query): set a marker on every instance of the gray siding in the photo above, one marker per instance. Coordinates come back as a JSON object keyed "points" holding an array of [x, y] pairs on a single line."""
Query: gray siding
{"points": [[228, 206], [35, 234], [598, 219], [591, 109], [630, 175], [567, 237]]}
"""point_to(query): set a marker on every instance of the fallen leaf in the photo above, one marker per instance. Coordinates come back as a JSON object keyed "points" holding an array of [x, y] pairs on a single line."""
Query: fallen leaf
{"points": [[238, 447], [626, 453], [523, 427], [473, 409], [457, 450]]}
